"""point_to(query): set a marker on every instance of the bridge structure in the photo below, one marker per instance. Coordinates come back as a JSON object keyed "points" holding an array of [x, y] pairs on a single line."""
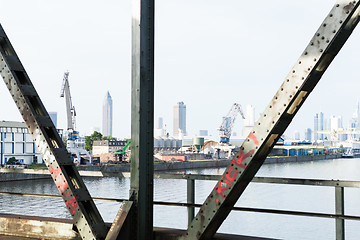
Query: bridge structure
{"points": [[135, 217]]}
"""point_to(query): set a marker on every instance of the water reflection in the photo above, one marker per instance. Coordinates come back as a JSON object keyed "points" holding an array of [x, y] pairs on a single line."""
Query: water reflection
{"points": [[257, 195]]}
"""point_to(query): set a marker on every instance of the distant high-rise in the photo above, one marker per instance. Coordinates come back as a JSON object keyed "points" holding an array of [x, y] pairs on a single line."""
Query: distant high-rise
{"points": [[53, 117], [159, 130], [160, 123], [107, 115], [203, 133], [249, 120], [308, 134], [179, 119], [296, 135], [319, 125], [316, 126]]}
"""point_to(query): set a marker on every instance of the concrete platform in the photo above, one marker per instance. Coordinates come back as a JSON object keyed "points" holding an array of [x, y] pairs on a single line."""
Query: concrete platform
{"points": [[17, 227]]}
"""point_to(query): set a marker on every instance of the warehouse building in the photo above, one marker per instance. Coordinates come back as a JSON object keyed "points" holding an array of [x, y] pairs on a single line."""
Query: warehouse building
{"points": [[16, 141]]}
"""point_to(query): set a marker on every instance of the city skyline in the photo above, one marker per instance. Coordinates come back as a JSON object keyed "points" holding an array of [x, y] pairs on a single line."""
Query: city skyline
{"points": [[209, 81]]}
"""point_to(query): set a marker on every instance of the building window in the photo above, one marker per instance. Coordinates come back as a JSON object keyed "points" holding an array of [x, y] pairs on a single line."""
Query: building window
{"points": [[12, 148]]}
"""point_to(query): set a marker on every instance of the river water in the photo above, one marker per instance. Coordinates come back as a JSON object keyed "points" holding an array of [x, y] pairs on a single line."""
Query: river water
{"points": [[257, 195]]}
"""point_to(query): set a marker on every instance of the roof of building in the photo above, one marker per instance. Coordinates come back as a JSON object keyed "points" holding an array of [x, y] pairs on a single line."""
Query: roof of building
{"points": [[12, 124], [109, 143]]}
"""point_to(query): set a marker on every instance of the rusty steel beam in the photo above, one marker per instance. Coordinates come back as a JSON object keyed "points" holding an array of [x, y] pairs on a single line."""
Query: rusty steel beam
{"points": [[58, 161], [117, 225], [323, 47]]}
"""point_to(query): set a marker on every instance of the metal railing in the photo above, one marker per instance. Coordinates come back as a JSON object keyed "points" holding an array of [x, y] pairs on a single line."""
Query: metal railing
{"points": [[339, 186]]}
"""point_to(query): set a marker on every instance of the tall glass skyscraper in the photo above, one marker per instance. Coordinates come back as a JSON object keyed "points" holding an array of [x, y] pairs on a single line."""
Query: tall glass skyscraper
{"points": [[53, 116], [179, 119], [107, 115], [319, 126]]}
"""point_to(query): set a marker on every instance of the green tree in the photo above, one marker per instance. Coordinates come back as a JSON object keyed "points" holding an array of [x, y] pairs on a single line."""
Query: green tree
{"points": [[90, 139], [110, 138], [11, 160]]}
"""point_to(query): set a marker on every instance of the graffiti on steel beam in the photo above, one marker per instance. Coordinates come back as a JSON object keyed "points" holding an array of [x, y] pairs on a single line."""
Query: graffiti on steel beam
{"points": [[230, 177]]}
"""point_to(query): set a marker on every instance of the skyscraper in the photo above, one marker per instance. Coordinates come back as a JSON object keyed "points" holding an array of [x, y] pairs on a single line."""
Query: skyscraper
{"points": [[308, 134], [316, 127], [53, 116], [179, 119], [107, 115], [249, 120], [160, 123], [321, 125]]}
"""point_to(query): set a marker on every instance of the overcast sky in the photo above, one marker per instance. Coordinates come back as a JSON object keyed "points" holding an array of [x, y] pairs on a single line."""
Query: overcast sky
{"points": [[209, 54]]}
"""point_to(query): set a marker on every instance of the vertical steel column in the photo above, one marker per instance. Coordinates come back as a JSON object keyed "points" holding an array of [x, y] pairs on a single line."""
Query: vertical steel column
{"points": [[190, 199], [339, 210], [62, 169], [142, 117], [303, 77]]}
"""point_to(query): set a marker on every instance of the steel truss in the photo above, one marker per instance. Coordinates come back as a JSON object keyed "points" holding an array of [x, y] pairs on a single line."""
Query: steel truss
{"points": [[301, 80], [62, 169], [323, 47]]}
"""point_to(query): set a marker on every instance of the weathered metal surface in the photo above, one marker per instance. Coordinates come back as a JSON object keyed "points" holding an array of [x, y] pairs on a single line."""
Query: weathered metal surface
{"points": [[43, 229], [37, 227], [57, 159], [120, 218], [190, 199], [142, 117], [301, 80], [340, 210]]}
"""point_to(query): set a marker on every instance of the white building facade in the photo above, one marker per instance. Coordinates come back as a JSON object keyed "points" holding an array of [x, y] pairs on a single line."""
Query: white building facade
{"points": [[16, 141]]}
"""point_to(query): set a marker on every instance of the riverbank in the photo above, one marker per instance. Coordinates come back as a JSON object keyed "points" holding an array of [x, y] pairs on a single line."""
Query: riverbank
{"points": [[15, 174], [193, 164]]}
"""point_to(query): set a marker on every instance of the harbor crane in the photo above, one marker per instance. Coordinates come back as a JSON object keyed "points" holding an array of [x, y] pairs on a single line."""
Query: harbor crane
{"points": [[72, 135], [228, 123], [70, 109]]}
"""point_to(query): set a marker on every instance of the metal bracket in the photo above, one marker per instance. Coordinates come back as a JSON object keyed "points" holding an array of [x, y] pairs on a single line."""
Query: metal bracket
{"points": [[62, 169], [301, 80]]}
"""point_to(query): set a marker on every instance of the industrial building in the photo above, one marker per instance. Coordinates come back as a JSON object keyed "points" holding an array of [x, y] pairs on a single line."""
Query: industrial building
{"points": [[16, 141]]}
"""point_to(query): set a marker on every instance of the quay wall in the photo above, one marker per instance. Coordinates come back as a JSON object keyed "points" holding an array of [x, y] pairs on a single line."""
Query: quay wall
{"points": [[13, 174], [170, 166], [6, 176]]}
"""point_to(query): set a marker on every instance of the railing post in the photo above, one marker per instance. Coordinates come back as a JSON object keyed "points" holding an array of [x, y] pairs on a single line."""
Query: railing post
{"points": [[190, 199], [339, 210]]}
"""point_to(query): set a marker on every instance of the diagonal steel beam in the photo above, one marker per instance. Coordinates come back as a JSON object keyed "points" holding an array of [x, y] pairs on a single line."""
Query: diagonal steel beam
{"points": [[62, 169], [323, 47]]}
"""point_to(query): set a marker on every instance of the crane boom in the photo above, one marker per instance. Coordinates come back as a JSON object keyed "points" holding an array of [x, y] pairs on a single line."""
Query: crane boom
{"points": [[70, 109], [228, 122]]}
